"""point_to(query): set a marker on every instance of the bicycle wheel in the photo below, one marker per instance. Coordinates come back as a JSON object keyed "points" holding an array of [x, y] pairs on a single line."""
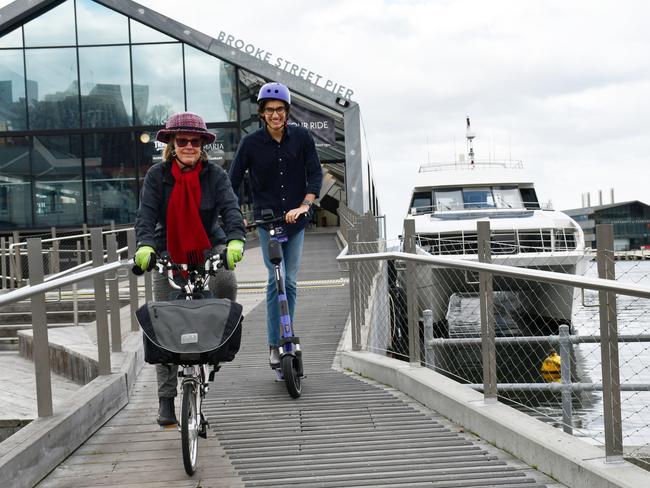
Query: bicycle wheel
{"points": [[291, 377], [190, 423]]}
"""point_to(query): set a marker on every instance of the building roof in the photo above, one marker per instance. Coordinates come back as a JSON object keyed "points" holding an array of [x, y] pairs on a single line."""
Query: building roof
{"points": [[21, 11], [596, 208]]}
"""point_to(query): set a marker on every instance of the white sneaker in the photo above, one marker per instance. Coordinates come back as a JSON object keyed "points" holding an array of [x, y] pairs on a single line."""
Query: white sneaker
{"points": [[274, 356]]}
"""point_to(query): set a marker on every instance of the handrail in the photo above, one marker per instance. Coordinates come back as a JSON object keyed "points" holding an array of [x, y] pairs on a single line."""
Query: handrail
{"points": [[511, 271], [31, 290], [80, 266]]}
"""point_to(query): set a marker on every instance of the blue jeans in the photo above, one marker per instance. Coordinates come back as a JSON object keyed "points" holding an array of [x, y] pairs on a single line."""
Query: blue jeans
{"points": [[291, 252]]}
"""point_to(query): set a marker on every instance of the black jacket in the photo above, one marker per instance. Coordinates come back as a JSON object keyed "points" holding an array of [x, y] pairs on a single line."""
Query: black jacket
{"points": [[217, 200]]}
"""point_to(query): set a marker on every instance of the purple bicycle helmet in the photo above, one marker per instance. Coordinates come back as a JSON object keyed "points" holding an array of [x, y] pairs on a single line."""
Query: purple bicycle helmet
{"points": [[274, 91]]}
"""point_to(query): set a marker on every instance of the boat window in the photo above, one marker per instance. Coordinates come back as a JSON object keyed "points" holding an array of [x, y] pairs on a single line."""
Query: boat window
{"points": [[421, 202], [478, 198], [529, 197], [507, 197], [451, 199]]}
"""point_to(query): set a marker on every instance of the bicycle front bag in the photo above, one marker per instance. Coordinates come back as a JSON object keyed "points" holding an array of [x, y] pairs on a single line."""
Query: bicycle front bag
{"points": [[190, 331]]}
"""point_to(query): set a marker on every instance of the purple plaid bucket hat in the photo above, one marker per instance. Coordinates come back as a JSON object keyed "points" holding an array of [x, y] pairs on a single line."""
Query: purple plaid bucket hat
{"points": [[185, 122]]}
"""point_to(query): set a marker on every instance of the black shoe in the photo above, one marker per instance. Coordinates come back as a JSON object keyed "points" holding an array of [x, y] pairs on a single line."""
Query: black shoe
{"points": [[166, 411]]}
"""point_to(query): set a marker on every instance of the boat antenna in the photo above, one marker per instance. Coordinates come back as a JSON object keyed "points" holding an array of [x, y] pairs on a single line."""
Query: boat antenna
{"points": [[469, 135]]}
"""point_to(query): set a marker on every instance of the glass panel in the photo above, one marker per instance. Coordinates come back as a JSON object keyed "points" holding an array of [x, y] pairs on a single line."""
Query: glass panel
{"points": [[149, 153], [12, 39], [210, 85], [111, 189], [141, 33], [508, 197], [157, 83], [222, 150], [97, 24], [56, 166], [448, 199], [12, 90], [52, 88], [249, 86], [15, 183], [105, 88], [421, 203], [478, 198], [53, 28]]}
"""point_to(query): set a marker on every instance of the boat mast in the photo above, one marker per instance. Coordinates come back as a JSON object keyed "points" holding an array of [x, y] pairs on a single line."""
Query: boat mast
{"points": [[469, 135]]}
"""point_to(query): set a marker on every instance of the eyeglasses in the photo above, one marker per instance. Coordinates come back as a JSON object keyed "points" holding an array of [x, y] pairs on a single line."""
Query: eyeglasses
{"points": [[182, 142], [277, 110]]}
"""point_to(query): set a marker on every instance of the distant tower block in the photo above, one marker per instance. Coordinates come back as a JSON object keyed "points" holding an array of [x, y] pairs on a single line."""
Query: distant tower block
{"points": [[611, 195], [588, 199], [600, 197]]}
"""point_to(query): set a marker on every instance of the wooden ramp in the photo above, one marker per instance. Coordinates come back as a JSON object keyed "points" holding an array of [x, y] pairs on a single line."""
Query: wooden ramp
{"points": [[342, 432]]}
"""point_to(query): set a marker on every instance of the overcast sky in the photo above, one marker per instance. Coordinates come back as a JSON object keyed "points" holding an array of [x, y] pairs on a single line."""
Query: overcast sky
{"points": [[562, 85]]}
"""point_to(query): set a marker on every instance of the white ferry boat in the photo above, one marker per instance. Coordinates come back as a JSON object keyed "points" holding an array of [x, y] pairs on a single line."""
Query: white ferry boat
{"points": [[446, 204]]}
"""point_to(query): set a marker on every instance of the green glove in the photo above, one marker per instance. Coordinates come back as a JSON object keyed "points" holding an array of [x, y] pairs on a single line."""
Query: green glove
{"points": [[234, 252], [143, 257]]}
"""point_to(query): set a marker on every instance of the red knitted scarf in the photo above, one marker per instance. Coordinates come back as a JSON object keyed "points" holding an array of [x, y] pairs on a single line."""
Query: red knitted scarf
{"points": [[186, 236]]}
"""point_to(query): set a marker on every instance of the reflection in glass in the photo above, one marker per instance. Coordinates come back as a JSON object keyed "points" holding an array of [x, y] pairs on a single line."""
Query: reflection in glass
{"points": [[110, 178], [222, 150], [210, 85], [52, 88], [12, 90], [97, 24], [157, 83], [15, 183], [141, 33], [53, 28], [105, 87], [56, 166], [12, 39], [249, 86]]}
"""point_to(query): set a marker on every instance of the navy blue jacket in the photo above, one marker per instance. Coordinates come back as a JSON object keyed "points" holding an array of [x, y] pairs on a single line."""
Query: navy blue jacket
{"points": [[281, 174], [219, 210]]}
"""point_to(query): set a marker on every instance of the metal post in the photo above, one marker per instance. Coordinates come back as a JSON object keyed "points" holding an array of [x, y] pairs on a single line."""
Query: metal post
{"points": [[565, 370], [609, 346], [84, 228], [3, 264], [12, 267], [133, 281], [40, 342], [148, 287], [488, 344], [54, 260], [429, 353], [103, 346], [412, 294], [78, 252], [114, 296], [353, 270], [75, 304], [18, 267]]}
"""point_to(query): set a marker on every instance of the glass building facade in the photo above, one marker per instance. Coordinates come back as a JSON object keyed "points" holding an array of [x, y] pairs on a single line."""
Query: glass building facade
{"points": [[83, 90]]}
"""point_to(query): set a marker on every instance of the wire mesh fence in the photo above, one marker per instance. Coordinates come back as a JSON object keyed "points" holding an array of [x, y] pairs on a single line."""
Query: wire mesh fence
{"points": [[528, 315]]}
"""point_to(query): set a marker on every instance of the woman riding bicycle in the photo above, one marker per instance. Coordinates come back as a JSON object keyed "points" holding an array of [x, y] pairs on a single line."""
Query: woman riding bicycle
{"points": [[181, 201]]}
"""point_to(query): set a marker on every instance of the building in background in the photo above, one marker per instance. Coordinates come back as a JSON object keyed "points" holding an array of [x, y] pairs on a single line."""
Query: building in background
{"points": [[85, 85], [631, 221]]}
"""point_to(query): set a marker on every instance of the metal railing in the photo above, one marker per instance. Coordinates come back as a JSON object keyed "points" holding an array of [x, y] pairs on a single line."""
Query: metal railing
{"points": [[108, 338], [392, 293]]}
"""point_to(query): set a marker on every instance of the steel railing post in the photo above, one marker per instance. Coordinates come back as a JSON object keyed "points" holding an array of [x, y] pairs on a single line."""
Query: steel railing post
{"points": [[148, 287], [488, 345], [353, 270], [114, 296], [609, 346], [101, 320], [3, 264], [84, 228], [40, 341], [133, 281], [565, 371], [55, 265], [412, 304], [12, 264], [18, 267], [429, 353]]}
